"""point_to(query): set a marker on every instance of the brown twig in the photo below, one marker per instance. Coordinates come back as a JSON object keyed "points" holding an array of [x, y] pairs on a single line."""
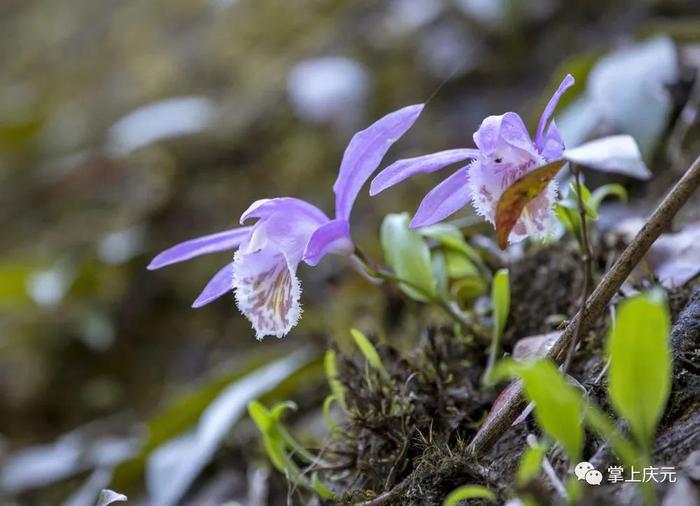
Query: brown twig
{"points": [[586, 261], [598, 301]]}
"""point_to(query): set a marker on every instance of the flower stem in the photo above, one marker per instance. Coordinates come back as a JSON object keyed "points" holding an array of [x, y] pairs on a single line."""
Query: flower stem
{"points": [[586, 264]]}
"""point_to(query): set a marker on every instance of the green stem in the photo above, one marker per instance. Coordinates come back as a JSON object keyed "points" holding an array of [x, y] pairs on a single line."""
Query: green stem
{"points": [[586, 259]]}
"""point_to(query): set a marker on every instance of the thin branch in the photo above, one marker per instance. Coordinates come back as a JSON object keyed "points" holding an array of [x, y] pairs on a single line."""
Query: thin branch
{"points": [[598, 301]]}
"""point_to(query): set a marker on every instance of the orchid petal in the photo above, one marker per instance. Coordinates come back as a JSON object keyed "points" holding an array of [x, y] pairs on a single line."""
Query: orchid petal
{"points": [[333, 237], [264, 208], [364, 154], [566, 83], [553, 145], [267, 291], [212, 243], [403, 169], [220, 284], [617, 154], [498, 132], [285, 222], [444, 200]]}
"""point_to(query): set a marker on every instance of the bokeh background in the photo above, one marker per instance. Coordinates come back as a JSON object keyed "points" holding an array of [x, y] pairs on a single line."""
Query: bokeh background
{"points": [[126, 127]]}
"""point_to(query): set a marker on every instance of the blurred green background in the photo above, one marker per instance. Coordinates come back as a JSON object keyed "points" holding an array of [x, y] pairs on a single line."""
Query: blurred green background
{"points": [[126, 127]]}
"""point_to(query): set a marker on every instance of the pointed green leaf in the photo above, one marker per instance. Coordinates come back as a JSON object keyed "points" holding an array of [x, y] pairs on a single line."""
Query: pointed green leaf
{"points": [[369, 351], [500, 299], [327, 417], [640, 363], [337, 389], [605, 191], [558, 405], [409, 256]]}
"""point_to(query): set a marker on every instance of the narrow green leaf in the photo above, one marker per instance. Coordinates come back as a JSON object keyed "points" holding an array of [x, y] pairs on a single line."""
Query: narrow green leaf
{"points": [[558, 405], [320, 488], [294, 446], [440, 274], [468, 492], [369, 351], [591, 212], [273, 443], [640, 363], [605, 191], [261, 416], [500, 299], [569, 218], [409, 256], [337, 389], [278, 409], [277, 441], [327, 417]]}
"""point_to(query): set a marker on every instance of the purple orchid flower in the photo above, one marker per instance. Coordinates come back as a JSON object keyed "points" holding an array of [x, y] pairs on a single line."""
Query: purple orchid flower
{"points": [[505, 152], [287, 232]]}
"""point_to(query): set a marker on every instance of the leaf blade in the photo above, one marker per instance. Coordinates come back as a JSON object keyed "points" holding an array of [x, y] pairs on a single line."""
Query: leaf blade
{"points": [[369, 351], [500, 299], [409, 256], [640, 364], [558, 405]]}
